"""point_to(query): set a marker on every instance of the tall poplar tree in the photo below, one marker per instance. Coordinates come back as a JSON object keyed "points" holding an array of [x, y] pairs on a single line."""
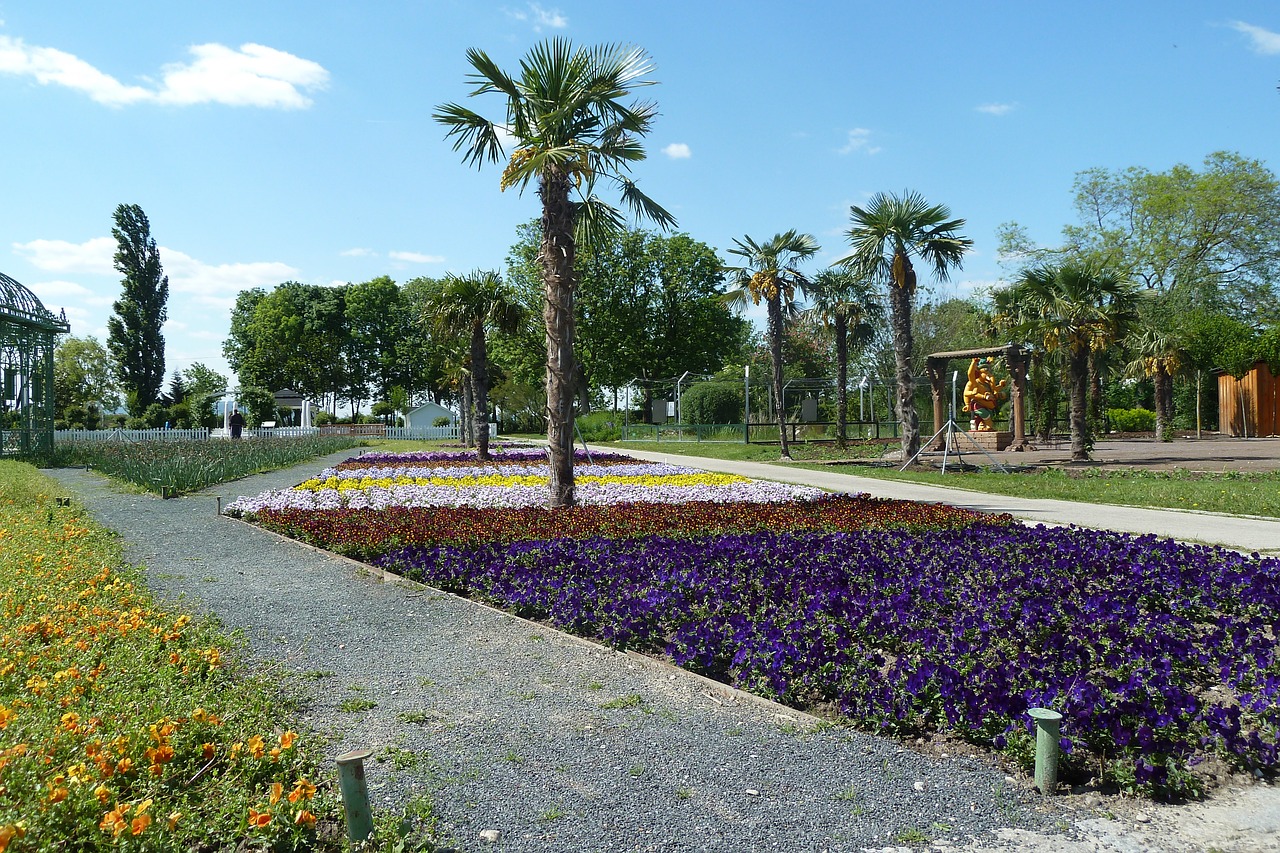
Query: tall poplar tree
{"points": [[133, 331]]}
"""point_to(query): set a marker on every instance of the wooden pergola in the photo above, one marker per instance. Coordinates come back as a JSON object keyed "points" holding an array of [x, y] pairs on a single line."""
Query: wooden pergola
{"points": [[1015, 357]]}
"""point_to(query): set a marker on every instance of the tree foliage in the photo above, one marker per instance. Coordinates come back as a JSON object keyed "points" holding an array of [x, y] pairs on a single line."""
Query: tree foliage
{"points": [[134, 336], [83, 379]]}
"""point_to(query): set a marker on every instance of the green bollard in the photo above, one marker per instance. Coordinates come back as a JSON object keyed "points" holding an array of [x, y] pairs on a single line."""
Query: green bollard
{"points": [[355, 794], [1047, 733]]}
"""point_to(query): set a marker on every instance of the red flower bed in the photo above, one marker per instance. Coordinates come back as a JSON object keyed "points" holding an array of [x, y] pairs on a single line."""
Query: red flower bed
{"points": [[365, 534]]}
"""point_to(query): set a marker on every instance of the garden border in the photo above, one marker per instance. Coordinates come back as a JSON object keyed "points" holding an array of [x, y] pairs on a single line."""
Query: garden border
{"points": [[728, 692]]}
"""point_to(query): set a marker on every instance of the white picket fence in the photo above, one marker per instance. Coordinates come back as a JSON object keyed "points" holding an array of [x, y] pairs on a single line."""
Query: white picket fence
{"points": [[441, 433]]}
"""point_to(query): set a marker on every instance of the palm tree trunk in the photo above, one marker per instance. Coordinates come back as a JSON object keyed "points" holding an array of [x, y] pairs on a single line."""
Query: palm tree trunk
{"points": [[467, 424], [1078, 368], [900, 319], [775, 356], [842, 378], [1164, 407], [480, 397], [557, 255]]}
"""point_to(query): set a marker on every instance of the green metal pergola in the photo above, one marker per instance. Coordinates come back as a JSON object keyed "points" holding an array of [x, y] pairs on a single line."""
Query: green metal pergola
{"points": [[28, 334]]}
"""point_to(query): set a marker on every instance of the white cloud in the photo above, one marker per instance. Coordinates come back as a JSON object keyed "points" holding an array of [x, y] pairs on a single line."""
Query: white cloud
{"points": [[218, 284], [416, 257], [996, 109], [50, 292], [358, 253], [1262, 41], [92, 256], [859, 140], [678, 151], [253, 75], [540, 17]]}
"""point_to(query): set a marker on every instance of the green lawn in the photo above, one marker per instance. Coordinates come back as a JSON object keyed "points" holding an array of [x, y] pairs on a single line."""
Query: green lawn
{"points": [[1234, 493]]}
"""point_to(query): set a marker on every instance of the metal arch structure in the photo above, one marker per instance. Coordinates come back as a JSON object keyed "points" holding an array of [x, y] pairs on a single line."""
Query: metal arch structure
{"points": [[28, 334]]}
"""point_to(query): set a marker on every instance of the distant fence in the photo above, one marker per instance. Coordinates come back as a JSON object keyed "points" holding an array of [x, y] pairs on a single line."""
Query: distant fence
{"points": [[433, 433]]}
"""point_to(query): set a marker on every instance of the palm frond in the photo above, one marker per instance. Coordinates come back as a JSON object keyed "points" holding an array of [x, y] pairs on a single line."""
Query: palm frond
{"points": [[472, 132]]}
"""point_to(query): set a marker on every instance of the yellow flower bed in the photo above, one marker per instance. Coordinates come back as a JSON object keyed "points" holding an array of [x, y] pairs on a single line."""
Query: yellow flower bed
{"points": [[114, 712], [343, 484]]}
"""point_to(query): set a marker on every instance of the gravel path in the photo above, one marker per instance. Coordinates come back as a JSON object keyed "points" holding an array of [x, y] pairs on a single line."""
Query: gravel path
{"points": [[554, 742]]}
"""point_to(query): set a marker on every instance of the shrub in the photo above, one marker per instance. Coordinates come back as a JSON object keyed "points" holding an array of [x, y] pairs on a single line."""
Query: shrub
{"points": [[442, 421], [1131, 420], [600, 426], [712, 403]]}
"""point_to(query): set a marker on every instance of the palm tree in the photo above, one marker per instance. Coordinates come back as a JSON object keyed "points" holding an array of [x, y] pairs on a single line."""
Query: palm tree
{"points": [[566, 114], [1158, 354], [473, 305], [1076, 308], [769, 273], [848, 305], [884, 237]]}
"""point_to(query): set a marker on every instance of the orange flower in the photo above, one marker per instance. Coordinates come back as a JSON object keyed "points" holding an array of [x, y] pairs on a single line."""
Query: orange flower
{"points": [[259, 819], [287, 739], [8, 832], [277, 791], [305, 818], [6, 715], [174, 658], [302, 790], [236, 748], [256, 746], [57, 795], [207, 750], [140, 823], [275, 753], [114, 822], [124, 765]]}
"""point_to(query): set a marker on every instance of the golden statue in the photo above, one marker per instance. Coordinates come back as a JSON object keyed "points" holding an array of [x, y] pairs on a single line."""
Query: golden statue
{"points": [[983, 396]]}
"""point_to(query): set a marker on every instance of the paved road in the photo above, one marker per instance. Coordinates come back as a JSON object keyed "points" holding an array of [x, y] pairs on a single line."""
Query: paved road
{"points": [[1247, 534]]}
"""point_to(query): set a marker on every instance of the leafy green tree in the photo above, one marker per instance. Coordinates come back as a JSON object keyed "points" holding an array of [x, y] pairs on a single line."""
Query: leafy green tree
{"points": [[205, 386], [469, 306], [648, 306], [295, 337], [1204, 239], [884, 236], [850, 307], [1076, 309], [769, 272], [134, 338], [421, 353], [571, 127], [83, 378], [377, 321]]}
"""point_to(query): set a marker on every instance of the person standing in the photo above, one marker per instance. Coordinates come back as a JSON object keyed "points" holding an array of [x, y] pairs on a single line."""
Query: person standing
{"points": [[237, 423]]}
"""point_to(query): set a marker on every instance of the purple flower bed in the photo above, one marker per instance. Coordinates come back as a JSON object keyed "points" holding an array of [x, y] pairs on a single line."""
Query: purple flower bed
{"points": [[1157, 654]]}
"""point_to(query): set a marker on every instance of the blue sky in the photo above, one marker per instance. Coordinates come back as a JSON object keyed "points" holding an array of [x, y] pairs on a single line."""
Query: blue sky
{"points": [[294, 140]]}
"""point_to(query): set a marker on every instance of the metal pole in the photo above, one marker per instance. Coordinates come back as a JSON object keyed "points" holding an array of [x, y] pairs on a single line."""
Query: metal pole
{"points": [[355, 793], [746, 404]]}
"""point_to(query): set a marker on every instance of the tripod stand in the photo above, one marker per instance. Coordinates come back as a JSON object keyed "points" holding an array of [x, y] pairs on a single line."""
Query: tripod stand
{"points": [[950, 445]]}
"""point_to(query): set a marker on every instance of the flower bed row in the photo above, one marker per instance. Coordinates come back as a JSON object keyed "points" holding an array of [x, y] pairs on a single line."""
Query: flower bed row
{"points": [[365, 535], [1157, 654], [906, 617]]}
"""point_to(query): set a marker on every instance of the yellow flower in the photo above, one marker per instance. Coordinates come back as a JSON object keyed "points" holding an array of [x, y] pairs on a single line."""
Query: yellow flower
{"points": [[277, 791], [287, 739], [256, 746], [305, 818], [103, 793], [57, 795], [174, 817]]}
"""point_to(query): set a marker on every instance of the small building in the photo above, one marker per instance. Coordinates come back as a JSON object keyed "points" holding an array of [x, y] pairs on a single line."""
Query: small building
{"points": [[427, 414], [1249, 406]]}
